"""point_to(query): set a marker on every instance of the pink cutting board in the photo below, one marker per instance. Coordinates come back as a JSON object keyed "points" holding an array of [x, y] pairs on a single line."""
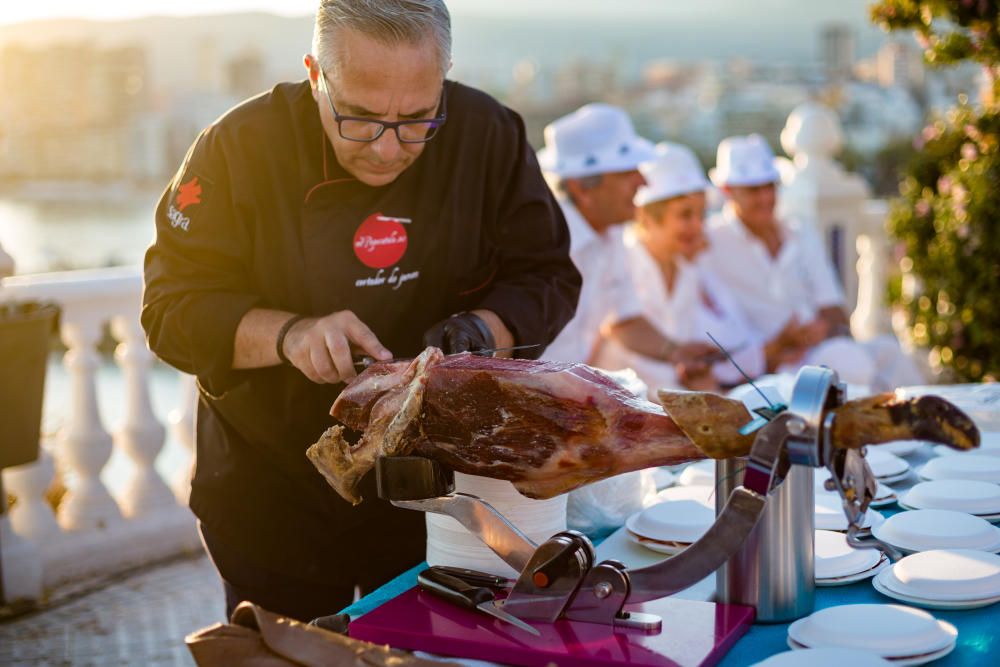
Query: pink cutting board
{"points": [[694, 633]]}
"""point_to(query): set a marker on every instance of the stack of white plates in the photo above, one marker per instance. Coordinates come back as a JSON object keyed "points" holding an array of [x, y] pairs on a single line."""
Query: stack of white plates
{"points": [[824, 657], [903, 635], [989, 445], [830, 514], [699, 473], [943, 579], [449, 543], [837, 563], [924, 530], [981, 499], [682, 516], [883, 495], [967, 466], [887, 467], [901, 447]]}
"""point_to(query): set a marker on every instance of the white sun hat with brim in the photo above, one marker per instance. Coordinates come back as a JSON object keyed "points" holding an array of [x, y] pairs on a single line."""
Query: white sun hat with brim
{"points": [[594, 139], [676, 171], [744, 161]]}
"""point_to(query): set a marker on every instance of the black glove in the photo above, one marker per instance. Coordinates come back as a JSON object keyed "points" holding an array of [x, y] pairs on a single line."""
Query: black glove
{"points": [[462, 332]]}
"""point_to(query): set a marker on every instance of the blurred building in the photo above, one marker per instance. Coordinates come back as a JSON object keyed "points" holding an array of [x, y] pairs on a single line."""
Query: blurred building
{"points": [[837, 44], [900, 64], [70, 112]]}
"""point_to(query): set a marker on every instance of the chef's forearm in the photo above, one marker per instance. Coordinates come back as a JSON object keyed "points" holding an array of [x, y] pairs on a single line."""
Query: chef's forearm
{"points": [[256, 338], [639, 335]]}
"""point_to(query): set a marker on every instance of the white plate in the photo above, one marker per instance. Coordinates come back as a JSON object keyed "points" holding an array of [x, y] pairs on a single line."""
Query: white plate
{"points": [[954, 494], [669, 548], [880, 585], [824, 657], [900, 447], [883, 563], [968, 466], [883, 494], [891, 631], [684, 515], [896, 479], [699, 473], [834, 557], [923, 530], [830, 514], [992, 518], [904, 661], [884, 463], [947, 575]]}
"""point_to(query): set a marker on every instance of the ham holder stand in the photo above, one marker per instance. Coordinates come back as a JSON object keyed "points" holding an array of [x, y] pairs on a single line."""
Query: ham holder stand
{"points": [[604, 613]]}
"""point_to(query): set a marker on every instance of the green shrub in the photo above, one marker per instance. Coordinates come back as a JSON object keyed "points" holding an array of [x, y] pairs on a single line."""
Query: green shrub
{"points": [[947, 218]]}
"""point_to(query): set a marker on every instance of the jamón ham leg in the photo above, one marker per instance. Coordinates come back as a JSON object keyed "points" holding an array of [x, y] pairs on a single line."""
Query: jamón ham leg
{"points": [[551, 427]]}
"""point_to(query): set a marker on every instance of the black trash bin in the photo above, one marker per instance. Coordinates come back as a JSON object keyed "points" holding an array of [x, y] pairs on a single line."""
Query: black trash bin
{"points": [[25, 334]]}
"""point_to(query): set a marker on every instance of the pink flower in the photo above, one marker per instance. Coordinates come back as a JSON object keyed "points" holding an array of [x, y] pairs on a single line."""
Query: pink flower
{"points": [[969, 152], [944, 185], [922, 208], [963, 231]]}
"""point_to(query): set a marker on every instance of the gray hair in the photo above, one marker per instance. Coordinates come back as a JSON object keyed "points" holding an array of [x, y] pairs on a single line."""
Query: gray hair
{"points": [[388, 21]]}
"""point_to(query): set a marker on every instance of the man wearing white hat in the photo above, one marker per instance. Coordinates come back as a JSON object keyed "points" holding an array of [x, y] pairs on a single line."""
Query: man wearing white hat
{"points": [[593, 155], [780, 273]]}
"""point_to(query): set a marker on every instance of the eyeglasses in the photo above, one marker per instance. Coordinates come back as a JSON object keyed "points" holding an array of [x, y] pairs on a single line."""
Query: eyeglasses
{"points": [[354, 128]]}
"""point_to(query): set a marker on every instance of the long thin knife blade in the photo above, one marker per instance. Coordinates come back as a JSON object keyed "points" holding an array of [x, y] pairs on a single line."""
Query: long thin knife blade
{"points": [[490, 607], [366, 361]]}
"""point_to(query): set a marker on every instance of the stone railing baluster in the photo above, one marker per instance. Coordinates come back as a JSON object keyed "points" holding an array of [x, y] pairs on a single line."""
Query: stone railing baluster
{"points": [[182, 427], [31, 516], [141, 435], [84, 443]]}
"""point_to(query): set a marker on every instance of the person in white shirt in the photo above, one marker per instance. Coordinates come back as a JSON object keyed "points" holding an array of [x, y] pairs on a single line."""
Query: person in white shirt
{"points": [[679, 294], [592, 157], [782, 277]]}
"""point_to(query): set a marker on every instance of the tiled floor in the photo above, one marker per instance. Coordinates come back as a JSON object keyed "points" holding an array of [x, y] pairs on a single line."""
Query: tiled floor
{"points": [[140, 620]]}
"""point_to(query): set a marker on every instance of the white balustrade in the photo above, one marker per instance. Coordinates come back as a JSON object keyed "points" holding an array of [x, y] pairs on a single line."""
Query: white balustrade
{"points": [[142, 435], [94, 534], [182, 426]]}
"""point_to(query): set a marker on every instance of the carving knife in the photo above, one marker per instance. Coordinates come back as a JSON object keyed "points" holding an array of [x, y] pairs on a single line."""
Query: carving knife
{"points": [[464, 595], [366, 361]]}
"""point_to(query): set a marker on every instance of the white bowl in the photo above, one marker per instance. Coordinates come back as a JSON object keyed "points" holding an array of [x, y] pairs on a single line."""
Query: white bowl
{"points": [[835, 558], [684, 515], [923, 530], [699, 473], [662, 478], [824, 657], [954, 494], [884, 463], [830, 514], [968, 466], [947, 574], [887, 630]]}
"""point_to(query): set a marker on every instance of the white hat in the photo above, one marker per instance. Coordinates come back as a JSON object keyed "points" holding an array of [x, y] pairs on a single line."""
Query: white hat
{"points": [[744, 161], [676, 171], [594, 139]]}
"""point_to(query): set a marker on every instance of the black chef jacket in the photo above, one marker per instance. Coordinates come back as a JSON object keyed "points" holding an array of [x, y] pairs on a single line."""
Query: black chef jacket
{"points": [[261, 215]]}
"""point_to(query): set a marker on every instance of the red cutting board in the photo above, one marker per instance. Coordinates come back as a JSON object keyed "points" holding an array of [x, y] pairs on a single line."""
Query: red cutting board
{"points": [[694, 633]]}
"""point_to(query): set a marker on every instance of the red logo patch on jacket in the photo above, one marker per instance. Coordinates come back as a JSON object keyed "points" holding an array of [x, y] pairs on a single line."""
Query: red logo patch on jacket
{"points": [[381, 241], [188, 194]]}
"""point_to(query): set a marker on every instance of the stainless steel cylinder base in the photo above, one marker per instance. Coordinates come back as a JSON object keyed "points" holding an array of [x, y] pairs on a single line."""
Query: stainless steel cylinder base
{"points": [[774, 570]]}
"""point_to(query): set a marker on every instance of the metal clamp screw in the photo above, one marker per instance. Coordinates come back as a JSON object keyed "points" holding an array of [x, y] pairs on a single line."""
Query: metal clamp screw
{"points": [[796, 426], [603, 590]]}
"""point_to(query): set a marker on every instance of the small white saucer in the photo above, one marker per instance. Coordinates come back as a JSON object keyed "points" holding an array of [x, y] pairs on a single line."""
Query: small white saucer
{"points": [[830, 514], [880, 585], [699, 473], [926, 530], [905, 661], [968, 466], [885, 464], [830, 582], [960, 495], [668, 548], [662, 478], [896, 479], [824, 657], [901, 447]]}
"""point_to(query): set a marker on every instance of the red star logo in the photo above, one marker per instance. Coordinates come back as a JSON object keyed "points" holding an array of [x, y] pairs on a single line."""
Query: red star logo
{"points": [[188, 193]]}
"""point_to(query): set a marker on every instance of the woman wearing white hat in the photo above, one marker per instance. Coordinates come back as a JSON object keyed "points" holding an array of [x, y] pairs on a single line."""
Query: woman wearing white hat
{"points": [[592, 155], [684, 299], [780, 273]]}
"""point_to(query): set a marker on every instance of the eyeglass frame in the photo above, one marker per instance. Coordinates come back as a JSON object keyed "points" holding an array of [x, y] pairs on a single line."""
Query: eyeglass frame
{"points": [[394, 125]]}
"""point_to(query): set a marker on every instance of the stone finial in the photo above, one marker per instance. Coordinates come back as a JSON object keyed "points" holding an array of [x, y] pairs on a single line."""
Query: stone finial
{"points": [[812, 131]]}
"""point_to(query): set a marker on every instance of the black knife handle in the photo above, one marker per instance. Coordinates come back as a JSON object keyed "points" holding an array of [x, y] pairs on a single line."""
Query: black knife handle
{"points": [[473, 577], [453, 589]]}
